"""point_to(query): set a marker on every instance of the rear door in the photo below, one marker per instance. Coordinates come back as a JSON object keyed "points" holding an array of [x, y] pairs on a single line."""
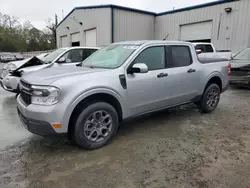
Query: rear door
{"points": [[183, 74]]}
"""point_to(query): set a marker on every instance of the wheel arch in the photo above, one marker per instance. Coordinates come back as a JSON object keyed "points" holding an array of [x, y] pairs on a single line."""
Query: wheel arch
{"points": [[94, 97], [214, 79]]}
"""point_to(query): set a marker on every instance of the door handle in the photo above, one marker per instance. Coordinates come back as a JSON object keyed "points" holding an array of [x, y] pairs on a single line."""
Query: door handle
{"points": [[161, 75], [191, 70]]}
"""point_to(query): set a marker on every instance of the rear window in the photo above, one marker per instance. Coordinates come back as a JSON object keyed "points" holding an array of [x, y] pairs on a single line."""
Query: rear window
{"points": [[205, 48], [181, 56], [208, 48]]}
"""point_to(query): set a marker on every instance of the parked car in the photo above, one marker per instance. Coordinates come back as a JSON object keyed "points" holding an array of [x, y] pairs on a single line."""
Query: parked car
{"points": [[11, 66], [62, 57], [240, 71], [207, 50], [18, 56], [120, 81], [6, 57]]}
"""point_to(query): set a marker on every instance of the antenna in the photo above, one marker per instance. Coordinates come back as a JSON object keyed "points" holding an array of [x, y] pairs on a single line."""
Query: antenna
{"points": [[166, 37], [62, 14]]}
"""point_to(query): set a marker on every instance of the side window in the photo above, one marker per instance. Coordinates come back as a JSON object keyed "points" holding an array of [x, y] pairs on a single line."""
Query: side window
{"points": [[74, 56], [200, 47], [180, 56], [153, 57], [88, 52], [208, 48]]}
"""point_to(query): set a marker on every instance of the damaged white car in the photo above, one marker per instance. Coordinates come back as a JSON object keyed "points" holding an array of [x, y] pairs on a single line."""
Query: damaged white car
{"points": [[11, 73]]}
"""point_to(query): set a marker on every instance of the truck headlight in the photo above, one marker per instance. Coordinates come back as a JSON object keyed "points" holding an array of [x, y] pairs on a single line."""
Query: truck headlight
{"points": [[45, 95]]}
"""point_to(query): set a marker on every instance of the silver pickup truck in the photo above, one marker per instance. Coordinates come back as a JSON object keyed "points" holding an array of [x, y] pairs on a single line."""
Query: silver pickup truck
{"points": [[120, 81]]}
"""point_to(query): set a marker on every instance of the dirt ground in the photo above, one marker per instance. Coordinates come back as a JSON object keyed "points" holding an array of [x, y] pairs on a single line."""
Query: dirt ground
{"points": [[176, 148]]}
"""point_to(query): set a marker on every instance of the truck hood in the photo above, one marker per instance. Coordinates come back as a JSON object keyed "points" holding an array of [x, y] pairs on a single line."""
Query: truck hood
{"points": [[239, 63], [240, 68], [48, 76]]}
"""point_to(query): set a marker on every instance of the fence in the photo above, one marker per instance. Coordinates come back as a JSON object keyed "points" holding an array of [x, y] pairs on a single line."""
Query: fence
{"points": [[35, 53]]}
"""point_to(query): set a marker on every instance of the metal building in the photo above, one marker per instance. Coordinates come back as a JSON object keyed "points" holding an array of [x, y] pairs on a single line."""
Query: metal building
{"points": [[102, 25], [225, 23]]}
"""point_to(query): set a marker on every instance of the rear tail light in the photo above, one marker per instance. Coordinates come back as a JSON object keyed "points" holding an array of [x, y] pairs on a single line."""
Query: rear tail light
{"points": [[229, 69]]}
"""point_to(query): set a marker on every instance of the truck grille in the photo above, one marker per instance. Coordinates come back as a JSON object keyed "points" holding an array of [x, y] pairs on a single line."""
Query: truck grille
{"points": [[26, 98], [25, 92]]}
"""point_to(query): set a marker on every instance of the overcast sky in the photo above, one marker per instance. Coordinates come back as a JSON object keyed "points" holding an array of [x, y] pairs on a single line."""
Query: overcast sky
{"points": [[38, 11]]}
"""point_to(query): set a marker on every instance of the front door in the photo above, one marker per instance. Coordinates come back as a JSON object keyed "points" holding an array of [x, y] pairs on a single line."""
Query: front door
{"points": [[149, 91]]}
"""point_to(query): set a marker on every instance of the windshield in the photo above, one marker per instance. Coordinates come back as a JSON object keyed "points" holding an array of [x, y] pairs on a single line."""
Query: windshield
{"points": [[110, 57], [243, 55], [52, 56]]}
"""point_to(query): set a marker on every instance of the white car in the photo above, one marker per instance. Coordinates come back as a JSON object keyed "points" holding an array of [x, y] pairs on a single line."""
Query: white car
{"points": [[207, 50], [71, 56]]}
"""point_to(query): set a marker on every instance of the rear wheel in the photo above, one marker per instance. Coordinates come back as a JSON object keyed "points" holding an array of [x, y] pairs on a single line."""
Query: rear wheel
{"points": [[210, 98], [96, 125]]}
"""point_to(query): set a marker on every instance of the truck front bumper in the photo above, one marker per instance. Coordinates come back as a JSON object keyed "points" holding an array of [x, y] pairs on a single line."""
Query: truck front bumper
{"points": [[41, 128], [40, 120]]}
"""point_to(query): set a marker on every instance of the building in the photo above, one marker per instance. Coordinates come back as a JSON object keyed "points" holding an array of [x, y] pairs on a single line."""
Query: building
{"points": [[224, 23]]}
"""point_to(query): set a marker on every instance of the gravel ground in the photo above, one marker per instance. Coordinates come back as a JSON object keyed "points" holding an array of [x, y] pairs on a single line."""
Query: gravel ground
{"points": [[175, 148]]}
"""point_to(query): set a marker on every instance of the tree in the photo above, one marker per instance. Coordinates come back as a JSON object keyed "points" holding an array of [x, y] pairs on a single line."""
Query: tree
{"points": [[51, 25]]}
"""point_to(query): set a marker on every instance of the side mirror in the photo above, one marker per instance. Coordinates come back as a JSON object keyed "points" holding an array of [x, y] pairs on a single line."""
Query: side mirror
{"points": [[232, 56], [138, 68], [198, 51], [61, 60]]}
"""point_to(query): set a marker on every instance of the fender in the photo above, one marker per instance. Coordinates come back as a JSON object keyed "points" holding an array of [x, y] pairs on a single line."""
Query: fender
{"points": [[86, 94], [211, 75]]}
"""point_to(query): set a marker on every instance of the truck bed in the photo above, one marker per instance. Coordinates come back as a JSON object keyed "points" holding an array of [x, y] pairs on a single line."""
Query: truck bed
{"points": [[211, 60]]}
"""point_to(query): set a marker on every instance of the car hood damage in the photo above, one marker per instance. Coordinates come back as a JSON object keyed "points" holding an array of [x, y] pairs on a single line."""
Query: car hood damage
{"points": [[30, 62]]}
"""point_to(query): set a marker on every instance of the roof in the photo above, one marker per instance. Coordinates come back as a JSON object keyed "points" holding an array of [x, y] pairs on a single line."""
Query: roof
{"points": [[80, 47], [108, 6], [141, 42], [197, 6], [148, 12]]}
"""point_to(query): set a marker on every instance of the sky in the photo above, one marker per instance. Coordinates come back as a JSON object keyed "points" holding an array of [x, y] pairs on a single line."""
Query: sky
{"points": [[39, 11]]}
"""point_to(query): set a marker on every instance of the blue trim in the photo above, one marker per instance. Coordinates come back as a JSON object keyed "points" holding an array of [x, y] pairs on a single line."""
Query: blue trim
{"points": [[196, 7], [112, 26]]}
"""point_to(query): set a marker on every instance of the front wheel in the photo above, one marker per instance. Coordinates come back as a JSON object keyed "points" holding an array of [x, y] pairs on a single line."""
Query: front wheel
{"points": [[96, 125], [210, 98]]}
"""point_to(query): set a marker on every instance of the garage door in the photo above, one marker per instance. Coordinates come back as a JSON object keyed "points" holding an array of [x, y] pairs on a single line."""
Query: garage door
{"points": [[64, 41], [75, 39], [90, 36], [196, 31]]}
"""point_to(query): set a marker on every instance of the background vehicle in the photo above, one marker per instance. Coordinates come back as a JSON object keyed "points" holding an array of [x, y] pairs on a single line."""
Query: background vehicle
{"points": [[6, 57], [240, 71], [18, 56], [120, 81], [208, 51], [62, 57]]}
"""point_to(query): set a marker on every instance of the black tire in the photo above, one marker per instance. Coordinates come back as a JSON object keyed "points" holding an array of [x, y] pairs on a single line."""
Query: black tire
{"points": [[79, 131], [205, 105]]}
